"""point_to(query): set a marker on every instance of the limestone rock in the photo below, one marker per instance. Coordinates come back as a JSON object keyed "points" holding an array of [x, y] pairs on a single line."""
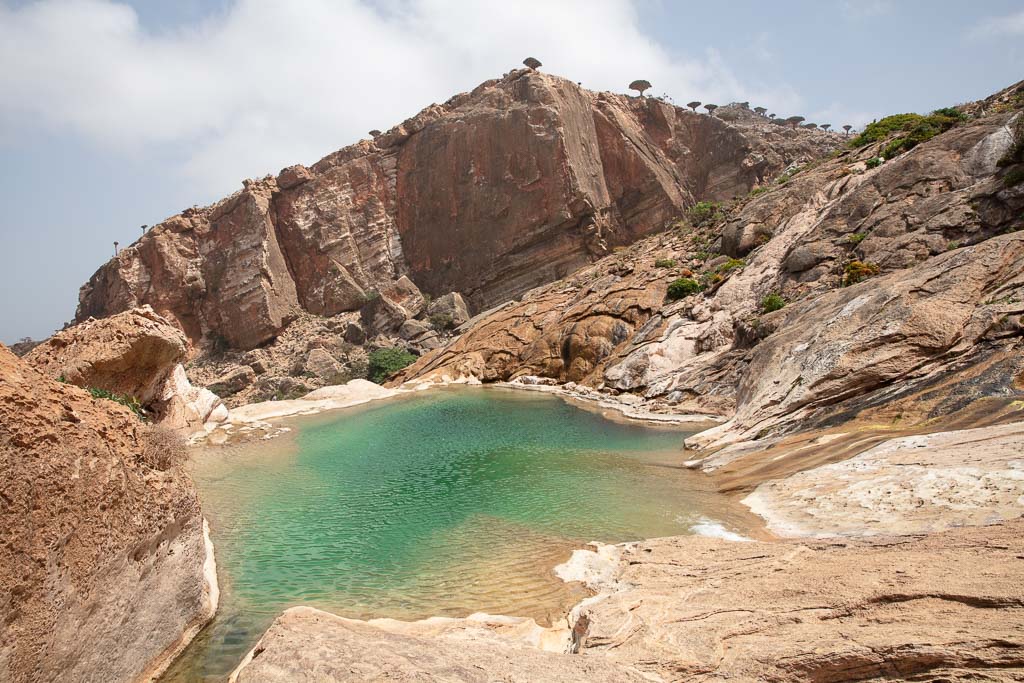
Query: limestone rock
{"points": [[233, 381], [321, 363], [104, 567], [132, 353], [858, 339], [451, 308], [406, 294], [218, 273], [411, 329], [184, 407], [495, 192], [474, 650], [704, 609], [936, 223], [354, 333], [690, 608]]}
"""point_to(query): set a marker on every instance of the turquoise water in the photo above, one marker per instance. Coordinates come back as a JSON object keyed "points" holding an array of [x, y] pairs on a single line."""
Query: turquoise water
{"points": [[447, 502]]}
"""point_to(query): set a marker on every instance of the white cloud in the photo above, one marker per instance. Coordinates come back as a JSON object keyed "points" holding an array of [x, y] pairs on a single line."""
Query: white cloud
{"points": [[270, 83], [998, 27]]}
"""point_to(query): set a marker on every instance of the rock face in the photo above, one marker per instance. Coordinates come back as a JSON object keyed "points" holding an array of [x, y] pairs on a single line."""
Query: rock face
{"points": [[474, 650], [686, 608], [935, 234], [513, 185], [131, 353], [105, 571], [689, 608], [136, 354]]}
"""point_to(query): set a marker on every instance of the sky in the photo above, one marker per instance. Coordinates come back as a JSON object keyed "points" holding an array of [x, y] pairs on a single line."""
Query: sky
{"points": [[115, 114]]}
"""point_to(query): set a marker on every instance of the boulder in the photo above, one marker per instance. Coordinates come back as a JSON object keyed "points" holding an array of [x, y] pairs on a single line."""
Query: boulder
{"points": [[406, 294], [105, 570], [354, 333], [450, 308], [322, 364], [187, 408], [131, 353], [233, 381], [411, 329]]}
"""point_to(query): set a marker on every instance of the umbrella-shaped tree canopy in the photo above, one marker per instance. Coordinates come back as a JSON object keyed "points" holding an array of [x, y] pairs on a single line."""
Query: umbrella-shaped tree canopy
{"points": [[693, 105], [532, 63], [639, 85]]}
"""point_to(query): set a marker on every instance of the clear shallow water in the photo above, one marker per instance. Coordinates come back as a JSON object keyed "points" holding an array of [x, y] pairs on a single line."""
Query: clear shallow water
{"points": [[447, 502]]}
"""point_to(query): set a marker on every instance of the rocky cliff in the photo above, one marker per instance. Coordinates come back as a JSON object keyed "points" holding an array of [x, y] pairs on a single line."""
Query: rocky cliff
{"points": [[105, 571], [849, 285], [515, 184]]}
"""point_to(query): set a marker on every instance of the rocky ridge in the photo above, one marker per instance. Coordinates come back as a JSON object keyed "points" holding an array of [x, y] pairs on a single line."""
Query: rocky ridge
{"points": [[105, 568], [933, 233], [515, 184]]}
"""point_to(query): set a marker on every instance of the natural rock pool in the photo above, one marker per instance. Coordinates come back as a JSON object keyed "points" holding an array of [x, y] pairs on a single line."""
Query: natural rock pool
{"points": [[446, 502]]}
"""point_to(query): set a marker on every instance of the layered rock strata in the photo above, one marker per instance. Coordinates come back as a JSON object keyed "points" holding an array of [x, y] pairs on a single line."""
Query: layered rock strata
{"points": [[933, 236], [515, 184]]}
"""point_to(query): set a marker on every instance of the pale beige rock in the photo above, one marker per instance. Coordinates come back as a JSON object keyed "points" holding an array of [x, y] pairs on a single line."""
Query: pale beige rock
{"points": [[105, 570], [948, 606], [909, 485], [690, 608], [185, 407], [132, 354], [305, 644]]}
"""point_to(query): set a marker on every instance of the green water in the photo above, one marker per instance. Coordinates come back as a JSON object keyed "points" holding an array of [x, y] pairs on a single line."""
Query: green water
{"points": [[447, 502]]}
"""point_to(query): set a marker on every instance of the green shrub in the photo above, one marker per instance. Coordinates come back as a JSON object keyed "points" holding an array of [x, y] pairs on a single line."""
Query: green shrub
{"points": [[682, 287], [704, 213], [955, 244], [876, 131], [951, 112], [918, 129], [731, 264], [442, 322], [710, 279], [772, 302], [1014, 177], [129, 402], [386, 362], [856, 238], [1015, 154], [665, 263], [873, 162], [858, 270], [758, 190]]}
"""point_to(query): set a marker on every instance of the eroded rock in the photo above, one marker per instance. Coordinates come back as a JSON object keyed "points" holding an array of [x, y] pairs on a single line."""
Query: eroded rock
{"points": [[132, 353], [104, 567]]}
